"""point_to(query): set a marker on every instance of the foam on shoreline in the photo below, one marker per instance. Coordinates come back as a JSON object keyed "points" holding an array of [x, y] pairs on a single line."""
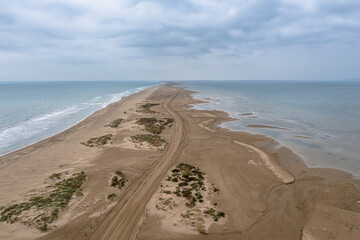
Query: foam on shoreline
{"points": [[38, 128]]}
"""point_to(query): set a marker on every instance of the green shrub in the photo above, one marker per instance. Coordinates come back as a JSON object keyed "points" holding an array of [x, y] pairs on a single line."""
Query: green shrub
{"points": [[97, 141], [56, 175], [145, 108], [115, 123], [154, 140], [118, 180], [183, 184], [221, 214], [43, 227], [216, 215], [153, 125], [49, 204], [111, 196], [186, 193], [191, 203]]}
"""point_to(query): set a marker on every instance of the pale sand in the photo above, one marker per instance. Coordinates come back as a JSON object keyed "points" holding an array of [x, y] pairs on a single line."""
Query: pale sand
{"points": [[250, 170], [205, 124], [278, 171]]}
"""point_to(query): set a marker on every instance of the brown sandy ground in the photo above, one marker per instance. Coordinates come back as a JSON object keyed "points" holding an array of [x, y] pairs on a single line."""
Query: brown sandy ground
{"points": [[25, 173], [266, 191]]}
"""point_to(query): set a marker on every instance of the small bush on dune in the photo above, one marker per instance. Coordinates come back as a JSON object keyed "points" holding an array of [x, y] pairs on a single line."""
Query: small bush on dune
{"points": [[190, 185], [153, 140], [118, 180], [115, 123], [153, 125], [145, 108], [47, 205], [98, 141], [111, 196]]}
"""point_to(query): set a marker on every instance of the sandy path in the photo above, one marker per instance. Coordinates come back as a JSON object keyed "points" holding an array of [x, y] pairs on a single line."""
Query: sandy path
{"points": [[278, 171], [123, 220]]}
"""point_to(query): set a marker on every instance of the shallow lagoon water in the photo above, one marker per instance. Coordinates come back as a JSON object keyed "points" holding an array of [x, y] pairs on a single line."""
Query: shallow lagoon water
{"points": [[321, 119]]}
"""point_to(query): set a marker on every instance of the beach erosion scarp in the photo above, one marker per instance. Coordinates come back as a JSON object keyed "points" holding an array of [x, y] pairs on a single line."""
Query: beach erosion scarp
{"points": [[253, 188]]}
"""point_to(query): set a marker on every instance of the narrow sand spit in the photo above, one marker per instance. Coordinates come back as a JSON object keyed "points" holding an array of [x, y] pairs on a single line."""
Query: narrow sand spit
{"points": [[283, 175], [321, 204]]}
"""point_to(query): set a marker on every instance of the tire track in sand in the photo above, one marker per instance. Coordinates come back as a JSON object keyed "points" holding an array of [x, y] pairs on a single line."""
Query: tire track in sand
{"points": [[122, 222]]}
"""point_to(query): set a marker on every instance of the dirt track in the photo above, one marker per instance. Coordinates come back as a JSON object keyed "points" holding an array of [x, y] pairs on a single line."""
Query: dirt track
{"points": [[123, 220]]}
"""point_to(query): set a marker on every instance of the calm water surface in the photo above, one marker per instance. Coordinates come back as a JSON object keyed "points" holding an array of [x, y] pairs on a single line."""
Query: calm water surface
{"points": [[321, 119]]}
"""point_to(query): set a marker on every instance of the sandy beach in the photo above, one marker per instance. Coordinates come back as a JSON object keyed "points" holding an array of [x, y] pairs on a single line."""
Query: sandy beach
{"points": [[243, 186]]}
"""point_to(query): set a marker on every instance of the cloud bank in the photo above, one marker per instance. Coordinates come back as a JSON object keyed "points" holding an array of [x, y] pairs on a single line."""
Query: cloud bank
{"points": [[184, 39]]}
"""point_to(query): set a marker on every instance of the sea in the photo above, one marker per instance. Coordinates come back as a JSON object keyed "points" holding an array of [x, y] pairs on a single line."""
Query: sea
{"points": [[32, 111], [318, 120]]}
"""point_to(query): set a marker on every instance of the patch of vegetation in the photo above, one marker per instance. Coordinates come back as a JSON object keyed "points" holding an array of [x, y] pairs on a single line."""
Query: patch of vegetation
{"points": [[145, 108], [191, 186], [118, 180], [97, 141], [187, 214], [215, 214], [47, 205], [115, 123], [153, 140], [191, 183], [55, 175], [153, 125], [111, 196], [168, 121]]}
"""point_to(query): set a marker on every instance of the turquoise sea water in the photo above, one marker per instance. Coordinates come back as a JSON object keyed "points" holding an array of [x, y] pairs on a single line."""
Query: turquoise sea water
{"points": [[32, 111], [321, 119]]}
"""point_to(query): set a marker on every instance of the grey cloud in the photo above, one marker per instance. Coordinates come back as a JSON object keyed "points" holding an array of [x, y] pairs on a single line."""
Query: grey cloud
{"points": [[185, 24], [78, 32]]}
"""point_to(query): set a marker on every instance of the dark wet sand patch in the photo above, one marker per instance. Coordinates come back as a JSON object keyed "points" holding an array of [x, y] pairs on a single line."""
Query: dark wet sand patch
{"points": [[306, 137], [265, 126], [245, 114]]}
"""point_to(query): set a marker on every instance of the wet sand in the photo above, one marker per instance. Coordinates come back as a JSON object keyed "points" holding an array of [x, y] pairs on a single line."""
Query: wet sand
{"points": [[265, 126], [266, 191]]}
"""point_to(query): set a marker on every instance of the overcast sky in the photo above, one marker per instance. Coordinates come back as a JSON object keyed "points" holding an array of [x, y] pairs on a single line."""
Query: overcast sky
{"points": [[179, 39]]}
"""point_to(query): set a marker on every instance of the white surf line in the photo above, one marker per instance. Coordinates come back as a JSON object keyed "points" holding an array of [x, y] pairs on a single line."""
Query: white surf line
{"points": [[278, 171]]}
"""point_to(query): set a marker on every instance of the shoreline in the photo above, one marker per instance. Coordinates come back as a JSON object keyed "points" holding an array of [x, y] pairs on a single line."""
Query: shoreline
{"points": [[254, 163], [203, 100], [137, 90]]}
